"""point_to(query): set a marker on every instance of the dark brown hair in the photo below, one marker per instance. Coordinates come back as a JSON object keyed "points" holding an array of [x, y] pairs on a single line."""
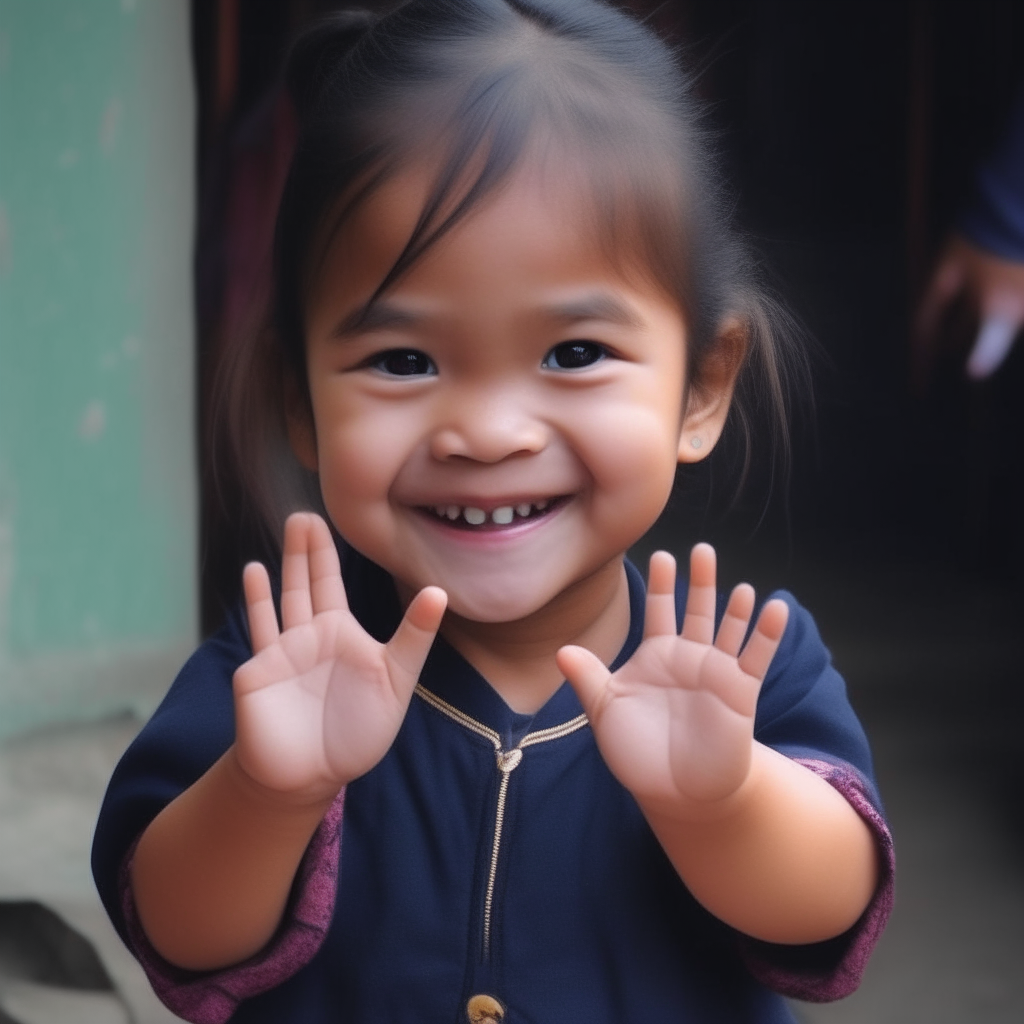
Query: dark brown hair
{"points": [[484, 81]]}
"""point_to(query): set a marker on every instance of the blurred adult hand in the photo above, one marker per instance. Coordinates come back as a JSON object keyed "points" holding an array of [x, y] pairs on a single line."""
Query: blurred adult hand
{"points": [[992, 287]]}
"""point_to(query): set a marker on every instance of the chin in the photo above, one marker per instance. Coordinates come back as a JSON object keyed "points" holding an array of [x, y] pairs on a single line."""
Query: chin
{"points": [[494, 603]]}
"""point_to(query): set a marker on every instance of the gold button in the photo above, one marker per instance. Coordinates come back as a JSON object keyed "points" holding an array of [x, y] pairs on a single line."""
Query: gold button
{"points": [[484, 1010]]}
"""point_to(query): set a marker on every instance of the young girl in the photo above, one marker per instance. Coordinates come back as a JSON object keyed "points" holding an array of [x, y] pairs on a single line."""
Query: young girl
{"points": [[506, 306]]}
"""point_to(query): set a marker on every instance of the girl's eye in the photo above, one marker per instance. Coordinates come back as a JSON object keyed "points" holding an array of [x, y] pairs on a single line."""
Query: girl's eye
{"points": [[404, 362], [574, 355]]}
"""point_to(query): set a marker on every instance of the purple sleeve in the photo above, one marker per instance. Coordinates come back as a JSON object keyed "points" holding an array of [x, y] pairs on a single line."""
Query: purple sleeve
{"points": [[212, 997], [831, 970], [994, 219]]}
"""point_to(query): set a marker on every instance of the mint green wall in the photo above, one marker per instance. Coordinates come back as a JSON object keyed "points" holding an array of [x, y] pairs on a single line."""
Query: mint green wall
{"points": [[97, 489]]}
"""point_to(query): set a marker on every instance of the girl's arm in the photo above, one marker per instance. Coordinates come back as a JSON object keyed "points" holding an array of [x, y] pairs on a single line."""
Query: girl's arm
{"points": [[762, 842], [787, 859], [212, 872], [317, 705]]}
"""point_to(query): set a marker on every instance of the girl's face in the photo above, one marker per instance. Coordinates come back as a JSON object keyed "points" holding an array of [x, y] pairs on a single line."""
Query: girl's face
{"points": [[507, 419]]}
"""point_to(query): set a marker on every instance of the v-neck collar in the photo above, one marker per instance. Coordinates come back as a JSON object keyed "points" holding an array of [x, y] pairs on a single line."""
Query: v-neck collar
{"points": [[374, 602]]}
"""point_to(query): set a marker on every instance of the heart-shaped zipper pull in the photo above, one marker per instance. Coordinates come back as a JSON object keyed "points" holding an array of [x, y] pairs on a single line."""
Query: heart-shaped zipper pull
{"points": [[509, 759]]}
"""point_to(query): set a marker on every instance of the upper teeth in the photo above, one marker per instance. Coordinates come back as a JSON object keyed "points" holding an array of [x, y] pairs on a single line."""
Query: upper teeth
{"points": [[502, 516]]}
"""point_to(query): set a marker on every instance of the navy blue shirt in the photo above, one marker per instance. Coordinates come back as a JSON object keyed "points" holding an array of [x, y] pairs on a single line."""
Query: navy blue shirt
{"points": [[549, 893]]}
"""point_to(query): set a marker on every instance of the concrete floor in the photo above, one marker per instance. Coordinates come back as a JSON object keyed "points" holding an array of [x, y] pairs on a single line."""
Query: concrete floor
{"points": [[935, 671], [51, 784]]}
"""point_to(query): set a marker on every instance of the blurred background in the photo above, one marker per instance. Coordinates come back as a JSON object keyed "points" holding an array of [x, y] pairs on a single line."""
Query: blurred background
{"points": [[143, 144]]}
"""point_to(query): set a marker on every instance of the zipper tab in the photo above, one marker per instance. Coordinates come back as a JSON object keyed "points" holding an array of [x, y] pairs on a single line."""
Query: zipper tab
{"points": [[508, 760]]}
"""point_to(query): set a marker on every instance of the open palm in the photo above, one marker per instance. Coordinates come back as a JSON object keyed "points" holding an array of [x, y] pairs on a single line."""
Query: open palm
{"points": [[320, 701], [676, 722]]}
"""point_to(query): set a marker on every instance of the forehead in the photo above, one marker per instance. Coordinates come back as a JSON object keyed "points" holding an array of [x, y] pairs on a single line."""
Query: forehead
{"points": [[550, 220]]}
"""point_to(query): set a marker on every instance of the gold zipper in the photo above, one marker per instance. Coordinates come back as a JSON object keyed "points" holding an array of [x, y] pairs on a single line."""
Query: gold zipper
{"points": [[508, 761]]}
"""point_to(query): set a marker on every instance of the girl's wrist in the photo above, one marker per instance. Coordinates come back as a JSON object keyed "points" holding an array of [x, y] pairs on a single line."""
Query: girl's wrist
{"points": [[686, 811], [301, 804]]}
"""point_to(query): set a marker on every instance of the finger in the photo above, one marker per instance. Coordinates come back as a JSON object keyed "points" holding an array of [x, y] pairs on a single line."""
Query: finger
{"points": [[587, 675], [296, 604], [736, 620], [660, 609], [699, 620], [946, 283], [992, 346], [764, 641], [259, 605], [408, 648], [325, 584]]}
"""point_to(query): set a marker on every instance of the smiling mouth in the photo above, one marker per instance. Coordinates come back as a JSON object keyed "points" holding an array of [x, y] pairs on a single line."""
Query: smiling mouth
{"points": [[471, 517]]}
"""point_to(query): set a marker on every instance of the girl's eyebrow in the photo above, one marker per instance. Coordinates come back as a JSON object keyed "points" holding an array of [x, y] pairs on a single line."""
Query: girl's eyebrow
{"points": [[599, 305], [383, 315], [379, 316]]}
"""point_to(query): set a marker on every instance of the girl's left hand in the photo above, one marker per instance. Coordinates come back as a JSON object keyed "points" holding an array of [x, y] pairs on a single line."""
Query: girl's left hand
{"points": [[675, 724]]}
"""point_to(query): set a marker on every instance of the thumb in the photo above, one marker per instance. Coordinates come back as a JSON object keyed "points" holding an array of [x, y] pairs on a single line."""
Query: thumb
{"points": [[587, 675], [407, 650]]}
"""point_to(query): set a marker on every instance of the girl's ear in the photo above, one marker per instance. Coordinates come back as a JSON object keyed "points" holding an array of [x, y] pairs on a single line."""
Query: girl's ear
{"points": [[709, 397], [301, 429]]}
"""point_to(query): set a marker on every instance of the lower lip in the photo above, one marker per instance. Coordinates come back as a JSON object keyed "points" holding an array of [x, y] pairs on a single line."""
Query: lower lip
{"points": [[490, 532]]}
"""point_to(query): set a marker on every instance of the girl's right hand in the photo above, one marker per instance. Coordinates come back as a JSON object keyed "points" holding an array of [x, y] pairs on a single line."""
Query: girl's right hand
{"points": [[320, 702]]}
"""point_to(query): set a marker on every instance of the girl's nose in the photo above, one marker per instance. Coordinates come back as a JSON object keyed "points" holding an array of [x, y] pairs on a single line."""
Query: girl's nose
{"points": [[486, 427]]}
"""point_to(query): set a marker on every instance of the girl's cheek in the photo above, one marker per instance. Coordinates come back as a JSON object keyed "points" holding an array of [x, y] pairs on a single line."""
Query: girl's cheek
{"points": [[630, 441], [360, 458]]}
